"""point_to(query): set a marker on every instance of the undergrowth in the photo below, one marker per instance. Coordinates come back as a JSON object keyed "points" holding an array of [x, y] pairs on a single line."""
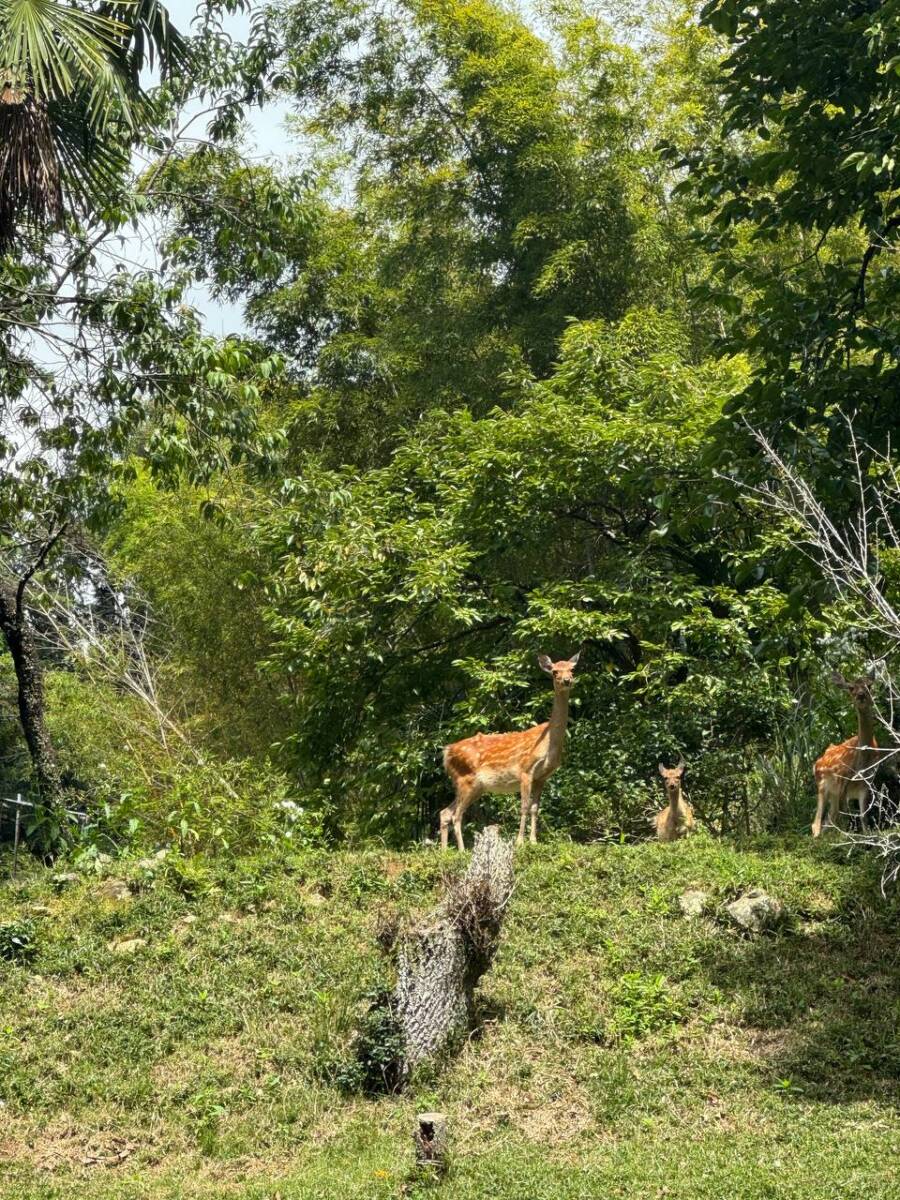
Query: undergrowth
{"points": [[221, 1030]]}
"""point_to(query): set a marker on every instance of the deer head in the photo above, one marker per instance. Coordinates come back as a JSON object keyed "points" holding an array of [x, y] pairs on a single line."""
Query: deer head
{"points": [[562, 672], [859, 690], [672, 777]]}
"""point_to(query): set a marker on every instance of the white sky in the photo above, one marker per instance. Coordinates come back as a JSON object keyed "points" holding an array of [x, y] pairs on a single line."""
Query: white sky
{"points": [[268, 138]]}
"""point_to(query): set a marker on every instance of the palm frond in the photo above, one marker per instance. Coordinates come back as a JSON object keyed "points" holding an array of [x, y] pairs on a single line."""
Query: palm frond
{"points": [[29, 167], [72, 101], [91, 164], [51, 49], [152, 37]]}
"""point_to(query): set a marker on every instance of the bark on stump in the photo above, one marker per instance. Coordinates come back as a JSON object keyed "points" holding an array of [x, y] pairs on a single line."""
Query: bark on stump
{"points": [[431, 1142], [441, 962]]}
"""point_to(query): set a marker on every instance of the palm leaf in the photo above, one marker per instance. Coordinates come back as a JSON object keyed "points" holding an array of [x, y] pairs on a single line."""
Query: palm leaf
{"points": [[71, 100], [91, 165], [152, 37], [29, 166], [51, 50]]}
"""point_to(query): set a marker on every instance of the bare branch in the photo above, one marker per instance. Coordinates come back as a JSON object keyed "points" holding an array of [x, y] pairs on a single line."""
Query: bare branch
{"points": [[847, 556]]}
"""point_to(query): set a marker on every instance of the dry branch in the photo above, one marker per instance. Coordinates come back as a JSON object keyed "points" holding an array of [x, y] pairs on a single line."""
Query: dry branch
{"points": [[848, 556]]}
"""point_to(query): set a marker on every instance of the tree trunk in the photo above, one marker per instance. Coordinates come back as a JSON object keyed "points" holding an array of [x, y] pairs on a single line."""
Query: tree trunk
{"points": [[30, 680], [441, 962]]}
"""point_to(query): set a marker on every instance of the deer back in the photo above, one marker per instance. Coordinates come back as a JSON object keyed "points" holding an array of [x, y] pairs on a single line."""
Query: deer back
{"points": [[844, 759]]}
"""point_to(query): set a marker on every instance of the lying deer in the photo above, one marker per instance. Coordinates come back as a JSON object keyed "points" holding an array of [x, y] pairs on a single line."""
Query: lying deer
{"points": [[844, 771], [677, 818], [510, 762]]}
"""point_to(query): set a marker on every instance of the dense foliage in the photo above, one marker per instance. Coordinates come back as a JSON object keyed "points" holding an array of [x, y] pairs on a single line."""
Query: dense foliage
{"points": [[509, 312], [808, 178]]}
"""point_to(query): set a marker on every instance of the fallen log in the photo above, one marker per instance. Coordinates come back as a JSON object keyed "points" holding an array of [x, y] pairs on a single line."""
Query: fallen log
{"points": [[440, 963]]}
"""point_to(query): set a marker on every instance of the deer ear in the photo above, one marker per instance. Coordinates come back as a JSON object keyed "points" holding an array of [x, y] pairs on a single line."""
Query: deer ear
{"points": [[680, 767], [662, 770], [545, 664], [573, 661], [838, 680]]}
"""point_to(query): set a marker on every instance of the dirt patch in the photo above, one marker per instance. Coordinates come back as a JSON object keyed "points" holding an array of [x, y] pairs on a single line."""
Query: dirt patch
{"points": [[745, 1044], [546, 1105], [64, 1145]]}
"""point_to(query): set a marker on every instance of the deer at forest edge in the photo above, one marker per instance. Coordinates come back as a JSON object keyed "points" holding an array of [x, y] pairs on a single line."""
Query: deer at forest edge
{"points": [[677, 818], [843, 772], [510, 762]]}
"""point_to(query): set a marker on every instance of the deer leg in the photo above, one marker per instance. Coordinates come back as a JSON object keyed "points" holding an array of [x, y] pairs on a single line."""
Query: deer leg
{"points": [[865, 799], [836, 798], [536, 789], [525, 792], [465, 794], [820, 809], [457, 829], [446, 821]]}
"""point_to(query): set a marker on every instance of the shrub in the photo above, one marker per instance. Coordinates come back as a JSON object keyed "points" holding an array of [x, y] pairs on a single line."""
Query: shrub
{"points": [[643, 1004], [374, 1065], [17, 942], [220, 808]]}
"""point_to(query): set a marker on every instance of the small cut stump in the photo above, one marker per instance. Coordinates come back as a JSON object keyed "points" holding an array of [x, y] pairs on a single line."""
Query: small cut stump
{"points": [[431, 1142]]}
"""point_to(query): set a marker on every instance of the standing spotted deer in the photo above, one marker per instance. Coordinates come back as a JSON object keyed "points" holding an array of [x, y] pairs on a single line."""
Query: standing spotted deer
{"points": [[677, 818], [510, 762], [843, 772]]}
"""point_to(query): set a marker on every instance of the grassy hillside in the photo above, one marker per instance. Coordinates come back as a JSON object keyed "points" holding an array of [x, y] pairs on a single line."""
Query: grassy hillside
{"points": [[185, 1041]]}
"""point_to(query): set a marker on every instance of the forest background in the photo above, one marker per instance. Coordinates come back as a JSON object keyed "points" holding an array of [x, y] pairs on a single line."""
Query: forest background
{"points": [[517, 300]]}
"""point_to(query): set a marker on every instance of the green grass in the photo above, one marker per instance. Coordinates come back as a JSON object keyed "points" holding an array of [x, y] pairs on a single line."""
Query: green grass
{"points": [[623, 1050]]}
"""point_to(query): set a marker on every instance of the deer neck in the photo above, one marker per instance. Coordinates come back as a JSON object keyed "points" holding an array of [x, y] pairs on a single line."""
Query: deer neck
{"points": [[866, 734], [675, 808], [557, 726]]}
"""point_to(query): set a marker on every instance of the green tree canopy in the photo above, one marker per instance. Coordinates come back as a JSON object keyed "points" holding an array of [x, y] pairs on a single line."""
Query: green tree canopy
{"points": [[805, 173]]}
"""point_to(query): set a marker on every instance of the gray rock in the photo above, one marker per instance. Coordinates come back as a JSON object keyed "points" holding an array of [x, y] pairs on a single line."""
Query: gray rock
{"points": [[127, 946], [755, 911], [694, 902], [152, 864], [114, 889], [64, 879]]}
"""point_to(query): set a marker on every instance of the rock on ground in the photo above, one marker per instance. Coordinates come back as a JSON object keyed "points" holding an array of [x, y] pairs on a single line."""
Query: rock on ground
{"points": [[114, 889], [694, 902], [127, 946], [755, 911]]}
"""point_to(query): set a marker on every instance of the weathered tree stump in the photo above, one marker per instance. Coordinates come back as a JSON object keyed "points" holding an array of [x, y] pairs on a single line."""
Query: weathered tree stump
{"points": [[431, 1142], [440, 963]]}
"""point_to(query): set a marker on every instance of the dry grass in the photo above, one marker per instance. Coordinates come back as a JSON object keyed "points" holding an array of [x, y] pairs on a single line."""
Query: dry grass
{"points": [[201, 1067]]}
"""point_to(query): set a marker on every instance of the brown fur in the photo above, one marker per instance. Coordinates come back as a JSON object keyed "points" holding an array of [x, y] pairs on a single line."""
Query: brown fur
{"points": [[509, 762], [839, 772], [677, 818]]}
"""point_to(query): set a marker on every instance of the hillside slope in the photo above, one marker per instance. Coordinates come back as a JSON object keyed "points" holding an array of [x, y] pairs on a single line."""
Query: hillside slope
{"points": [[185, 1042]]}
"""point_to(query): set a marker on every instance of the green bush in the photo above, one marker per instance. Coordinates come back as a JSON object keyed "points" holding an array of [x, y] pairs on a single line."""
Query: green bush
{"points": [[230, 807], [17, 941], [642, 1004], [374, 1065]]}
